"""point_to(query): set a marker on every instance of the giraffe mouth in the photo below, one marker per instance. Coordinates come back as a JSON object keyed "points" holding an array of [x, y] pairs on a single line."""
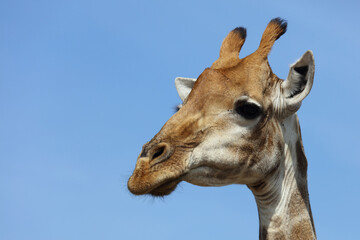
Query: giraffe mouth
{"points": [[165, 188], [137, 185]]}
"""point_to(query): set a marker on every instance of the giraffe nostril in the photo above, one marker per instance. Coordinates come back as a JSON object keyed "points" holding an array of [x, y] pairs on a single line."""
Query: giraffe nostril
{"points": [[158, 152]]}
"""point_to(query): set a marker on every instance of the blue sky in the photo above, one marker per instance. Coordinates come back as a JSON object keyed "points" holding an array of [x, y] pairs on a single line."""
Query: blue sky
{"points": [[83, 84]]}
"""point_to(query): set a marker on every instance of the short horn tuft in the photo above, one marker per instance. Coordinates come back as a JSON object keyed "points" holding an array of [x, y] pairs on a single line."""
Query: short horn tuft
{"points": [[282, 23], [233, 42], [241, 31], [274, 30]]}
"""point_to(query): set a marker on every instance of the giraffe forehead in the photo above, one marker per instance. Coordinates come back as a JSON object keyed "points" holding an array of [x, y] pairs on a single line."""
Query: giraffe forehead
{"points": [[224, 86]]}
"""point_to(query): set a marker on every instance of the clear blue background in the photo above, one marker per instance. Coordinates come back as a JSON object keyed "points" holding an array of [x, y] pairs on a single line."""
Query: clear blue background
{"points": [[83, 84]]}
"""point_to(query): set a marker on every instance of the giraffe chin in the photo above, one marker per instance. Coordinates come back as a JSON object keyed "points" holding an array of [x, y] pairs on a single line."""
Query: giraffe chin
{"points": [[164, 189]]}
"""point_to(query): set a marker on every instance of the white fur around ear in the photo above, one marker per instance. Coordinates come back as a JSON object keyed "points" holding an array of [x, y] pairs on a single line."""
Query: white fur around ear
{"points": [[184, 86], [297, 85]]}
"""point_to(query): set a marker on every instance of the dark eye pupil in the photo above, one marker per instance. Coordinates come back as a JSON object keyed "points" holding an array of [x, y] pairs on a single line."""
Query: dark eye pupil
{"points": [[248, 110]]}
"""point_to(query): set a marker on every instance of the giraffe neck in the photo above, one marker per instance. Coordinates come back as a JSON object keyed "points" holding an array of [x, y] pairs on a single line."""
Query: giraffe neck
{"points": [[282, 198]]}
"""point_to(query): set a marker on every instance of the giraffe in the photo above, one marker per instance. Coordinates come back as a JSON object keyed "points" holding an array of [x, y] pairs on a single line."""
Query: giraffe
{"points": [[238, 125]]}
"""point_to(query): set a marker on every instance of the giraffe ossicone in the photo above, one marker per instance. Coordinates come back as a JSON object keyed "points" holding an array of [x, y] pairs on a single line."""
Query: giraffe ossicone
{"points": [[238, 125]]}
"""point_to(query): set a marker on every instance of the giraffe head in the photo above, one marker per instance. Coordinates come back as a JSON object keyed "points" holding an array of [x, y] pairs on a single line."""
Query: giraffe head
{"points": [[228, 129]]}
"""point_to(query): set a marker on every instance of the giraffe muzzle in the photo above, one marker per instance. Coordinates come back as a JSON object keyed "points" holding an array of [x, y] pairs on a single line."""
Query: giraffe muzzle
{"points": [[148, 176]]}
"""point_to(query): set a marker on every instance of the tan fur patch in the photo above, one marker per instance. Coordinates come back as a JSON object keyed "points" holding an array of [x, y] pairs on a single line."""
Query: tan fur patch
{"points": [[296, 205], [276, 236], [276, 222], [302, 231]]}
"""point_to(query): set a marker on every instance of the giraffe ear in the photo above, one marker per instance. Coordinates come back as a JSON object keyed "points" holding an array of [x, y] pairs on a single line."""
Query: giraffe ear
{"points": [[184, 86], [297, 85]]}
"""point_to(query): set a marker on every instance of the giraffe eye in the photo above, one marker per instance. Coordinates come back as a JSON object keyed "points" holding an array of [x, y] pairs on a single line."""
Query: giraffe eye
{"points": [[248, 110]]}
